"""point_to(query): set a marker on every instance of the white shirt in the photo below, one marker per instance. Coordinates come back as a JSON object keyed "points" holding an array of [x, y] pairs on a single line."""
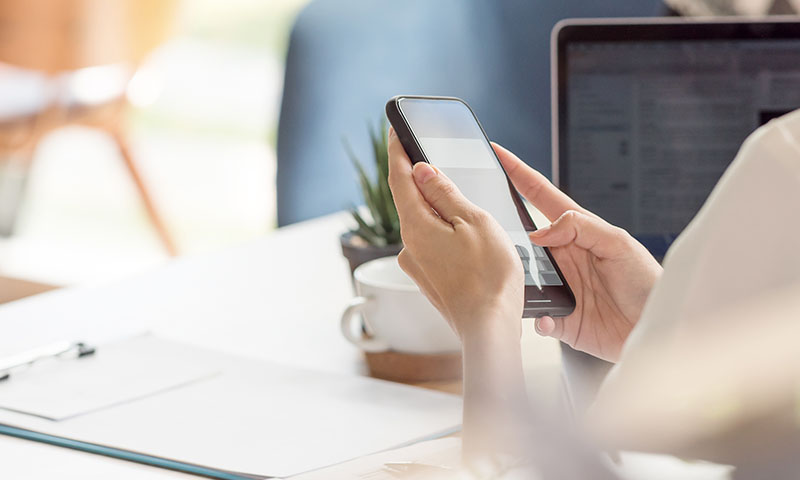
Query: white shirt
{"points": [[720, 333]]}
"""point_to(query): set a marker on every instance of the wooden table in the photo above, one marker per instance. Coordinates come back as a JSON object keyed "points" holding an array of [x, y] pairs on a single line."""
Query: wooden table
{"points": [[14, 289]]}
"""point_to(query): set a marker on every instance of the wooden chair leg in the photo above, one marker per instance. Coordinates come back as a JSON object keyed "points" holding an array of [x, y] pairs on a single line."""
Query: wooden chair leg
{"points": [[144, 193], [15, 166], [13, 289], [13, 178]]}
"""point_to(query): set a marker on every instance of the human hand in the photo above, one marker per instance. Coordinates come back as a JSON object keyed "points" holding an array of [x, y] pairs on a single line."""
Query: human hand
{"points": [[458, 254], [610, 273], [467, 266]]}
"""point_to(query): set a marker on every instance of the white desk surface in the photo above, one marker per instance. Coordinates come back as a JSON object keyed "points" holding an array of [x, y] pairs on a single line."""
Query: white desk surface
{"points": [[278, 298]]}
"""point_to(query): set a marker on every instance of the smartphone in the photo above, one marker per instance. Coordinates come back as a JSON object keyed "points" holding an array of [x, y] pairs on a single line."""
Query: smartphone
{"points": [[444, 132]]}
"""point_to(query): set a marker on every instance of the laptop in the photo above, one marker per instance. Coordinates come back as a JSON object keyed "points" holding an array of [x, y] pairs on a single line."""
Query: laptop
{"points": [[648, 113]]}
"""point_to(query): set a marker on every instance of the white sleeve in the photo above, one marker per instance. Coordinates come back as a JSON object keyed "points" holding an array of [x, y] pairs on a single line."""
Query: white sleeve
{"points": [[712, 266]]}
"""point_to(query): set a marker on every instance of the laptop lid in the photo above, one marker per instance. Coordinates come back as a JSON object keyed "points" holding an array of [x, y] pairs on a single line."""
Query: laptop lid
{"points": [[648, 113]]}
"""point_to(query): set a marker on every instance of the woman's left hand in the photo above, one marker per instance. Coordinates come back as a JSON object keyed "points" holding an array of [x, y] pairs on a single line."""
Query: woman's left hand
{"points": [[457, 253], [464, 262]]}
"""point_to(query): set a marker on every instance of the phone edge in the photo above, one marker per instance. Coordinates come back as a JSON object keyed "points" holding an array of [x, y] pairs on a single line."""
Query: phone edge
{"points": [[416, 155]]}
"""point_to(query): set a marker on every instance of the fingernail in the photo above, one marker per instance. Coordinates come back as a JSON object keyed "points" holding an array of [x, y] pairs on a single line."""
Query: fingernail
{"points": [[423, 172], [536, 326], [541, 232]]}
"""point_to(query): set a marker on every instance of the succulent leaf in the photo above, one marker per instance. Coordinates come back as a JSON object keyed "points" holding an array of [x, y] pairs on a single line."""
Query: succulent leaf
{"points": [[383, 228]]}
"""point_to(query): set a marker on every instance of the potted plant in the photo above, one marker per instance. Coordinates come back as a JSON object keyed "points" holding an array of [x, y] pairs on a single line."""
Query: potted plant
{"points": [[377, 232]]}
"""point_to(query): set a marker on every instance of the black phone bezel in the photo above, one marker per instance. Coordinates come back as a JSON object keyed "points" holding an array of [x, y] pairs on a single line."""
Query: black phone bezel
{"points": [[562, 300]]}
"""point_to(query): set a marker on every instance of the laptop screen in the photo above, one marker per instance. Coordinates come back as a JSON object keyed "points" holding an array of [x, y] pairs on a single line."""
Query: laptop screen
{"points": [[648, 127]]}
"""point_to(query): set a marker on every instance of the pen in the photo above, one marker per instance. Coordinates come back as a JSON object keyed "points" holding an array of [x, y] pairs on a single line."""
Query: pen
{"points": [[80, 349]]}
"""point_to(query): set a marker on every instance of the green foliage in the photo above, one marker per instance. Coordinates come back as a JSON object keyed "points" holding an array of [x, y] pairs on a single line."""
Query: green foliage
{"points": [[382, 227]]}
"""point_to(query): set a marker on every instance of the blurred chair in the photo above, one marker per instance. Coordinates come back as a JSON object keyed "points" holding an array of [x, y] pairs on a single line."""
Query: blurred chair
{"points": [[69, 62], [14, 289], [347, 57]]}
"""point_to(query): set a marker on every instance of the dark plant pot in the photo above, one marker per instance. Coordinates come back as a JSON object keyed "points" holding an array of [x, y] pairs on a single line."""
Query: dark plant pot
{"points": [[357, 251]]}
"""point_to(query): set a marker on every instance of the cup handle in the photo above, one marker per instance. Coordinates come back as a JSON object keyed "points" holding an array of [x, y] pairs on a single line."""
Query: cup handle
{"points": [[367, 341]]}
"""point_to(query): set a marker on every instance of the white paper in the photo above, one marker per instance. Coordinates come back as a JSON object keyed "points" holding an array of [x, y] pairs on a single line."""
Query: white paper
{"points": [[61, 388], [263, 419], [444, 453]]}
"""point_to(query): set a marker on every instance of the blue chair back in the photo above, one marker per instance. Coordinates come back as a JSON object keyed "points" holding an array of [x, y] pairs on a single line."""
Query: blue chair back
{"points": [[347, 57]]}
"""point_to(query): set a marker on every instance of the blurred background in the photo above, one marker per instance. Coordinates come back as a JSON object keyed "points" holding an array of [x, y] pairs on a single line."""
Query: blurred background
{"points": [[200, 125], [135, 131]]}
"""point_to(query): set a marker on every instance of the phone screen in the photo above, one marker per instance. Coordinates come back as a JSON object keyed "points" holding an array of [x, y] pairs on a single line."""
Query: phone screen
{"points": [[452, 140]]}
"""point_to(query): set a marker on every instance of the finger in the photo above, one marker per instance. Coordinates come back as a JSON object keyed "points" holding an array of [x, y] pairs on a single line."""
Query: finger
{"points": [[407, 198], [549, 327], [534, 186], [442, 194], [586, 231]]}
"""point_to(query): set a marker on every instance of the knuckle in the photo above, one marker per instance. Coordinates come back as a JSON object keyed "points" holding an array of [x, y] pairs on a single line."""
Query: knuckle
{"points": [[621, 234], [479, 217], [571, 216], [443, 190], [410, 241], [404, 260], [617, 231], [566, 218]]}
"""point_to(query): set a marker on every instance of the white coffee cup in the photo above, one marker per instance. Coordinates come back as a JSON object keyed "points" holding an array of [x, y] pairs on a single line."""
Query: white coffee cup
{"points": [[396, 316]]}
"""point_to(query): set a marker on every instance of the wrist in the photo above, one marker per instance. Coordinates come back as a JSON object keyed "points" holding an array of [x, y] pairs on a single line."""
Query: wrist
{"points": [[496, 323], [492, 334], [495, 398]]}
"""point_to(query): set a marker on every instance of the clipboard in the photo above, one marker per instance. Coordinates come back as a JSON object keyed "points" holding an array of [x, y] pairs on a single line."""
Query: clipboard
{"points": [[122, 454], [235, 418]]}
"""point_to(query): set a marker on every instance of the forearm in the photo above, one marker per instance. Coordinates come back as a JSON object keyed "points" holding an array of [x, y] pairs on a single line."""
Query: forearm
{"points": [[496, 409]]}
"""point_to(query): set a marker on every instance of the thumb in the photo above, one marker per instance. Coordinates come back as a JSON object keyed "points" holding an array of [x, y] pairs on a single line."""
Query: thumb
{"points": [[441, 193], [585, 231]]}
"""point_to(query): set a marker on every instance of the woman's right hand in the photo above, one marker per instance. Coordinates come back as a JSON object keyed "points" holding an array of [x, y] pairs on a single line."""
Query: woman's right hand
{"points": [[611, 274]]}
